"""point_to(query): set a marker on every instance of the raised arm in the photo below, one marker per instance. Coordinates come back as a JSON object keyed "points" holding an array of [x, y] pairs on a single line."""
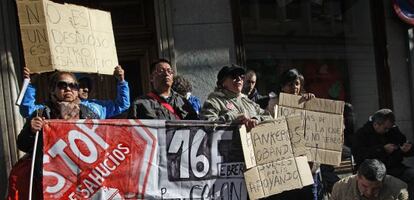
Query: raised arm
{"points": [[28, 105], [121, 103]]}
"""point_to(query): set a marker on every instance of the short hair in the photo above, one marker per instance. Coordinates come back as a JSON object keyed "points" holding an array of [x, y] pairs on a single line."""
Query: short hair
{"points": [[383, 115], [250, 73], [372, 170], [54, 78], [181, 85], [158, 61]]}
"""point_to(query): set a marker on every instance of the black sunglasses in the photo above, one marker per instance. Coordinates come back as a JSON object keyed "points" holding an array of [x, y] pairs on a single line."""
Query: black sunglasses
{"points": [[236, 75], [63, 85]]}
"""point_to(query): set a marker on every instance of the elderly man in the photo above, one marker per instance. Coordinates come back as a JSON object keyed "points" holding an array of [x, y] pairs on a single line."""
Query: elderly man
{"points": [[162, 102], [228, 104], [380, 139], [371, 182]]}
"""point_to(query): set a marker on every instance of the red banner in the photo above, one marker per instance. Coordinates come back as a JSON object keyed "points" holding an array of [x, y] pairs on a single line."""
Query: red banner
{"points": [[85, 160], [142, 159]]}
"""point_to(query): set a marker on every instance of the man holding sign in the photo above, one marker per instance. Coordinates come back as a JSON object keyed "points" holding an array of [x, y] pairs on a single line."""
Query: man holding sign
{"points": [[228, 104]]}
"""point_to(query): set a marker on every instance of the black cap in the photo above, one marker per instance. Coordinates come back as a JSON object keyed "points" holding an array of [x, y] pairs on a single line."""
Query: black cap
{"points": [[228, 71]]}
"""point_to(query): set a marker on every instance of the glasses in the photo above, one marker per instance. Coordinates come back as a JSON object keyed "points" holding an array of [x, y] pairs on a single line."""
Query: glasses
{"points": [[164, 71], [63, 85], [235, 76]]}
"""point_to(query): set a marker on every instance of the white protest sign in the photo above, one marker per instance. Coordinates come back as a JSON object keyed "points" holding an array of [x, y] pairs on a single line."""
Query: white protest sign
{"points": [[66, 37]]}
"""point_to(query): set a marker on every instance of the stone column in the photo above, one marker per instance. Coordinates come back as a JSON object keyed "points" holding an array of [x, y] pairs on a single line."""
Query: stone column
{"points": [[10, 76]]}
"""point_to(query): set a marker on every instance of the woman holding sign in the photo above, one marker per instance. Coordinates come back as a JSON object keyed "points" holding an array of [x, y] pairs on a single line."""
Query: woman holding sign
{"points": [[292, 82], [64, 104]]}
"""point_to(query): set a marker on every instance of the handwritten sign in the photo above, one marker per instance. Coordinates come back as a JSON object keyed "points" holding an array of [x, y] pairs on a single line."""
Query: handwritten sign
{"points": [[276, 177], [66, 37], [271, 142], [270, 151], [323, 132]]}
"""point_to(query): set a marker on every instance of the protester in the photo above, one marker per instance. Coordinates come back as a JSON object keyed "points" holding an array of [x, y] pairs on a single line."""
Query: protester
{"points": [[104, 108], [291, 82], [371, 182], [64, 104], [228, 104], [162, 102], [183, 87], [85, 87], [249, 89], [381, 139]]}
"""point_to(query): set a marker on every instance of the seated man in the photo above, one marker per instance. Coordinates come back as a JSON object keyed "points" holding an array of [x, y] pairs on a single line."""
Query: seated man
{"points": [[162, 102], [380, 139], [104, 108], [371, 182]]}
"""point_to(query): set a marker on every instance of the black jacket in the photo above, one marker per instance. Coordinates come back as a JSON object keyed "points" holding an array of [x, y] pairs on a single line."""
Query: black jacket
{"points": [[262, 100], [368, 144], [145, 107], [26, 139]]}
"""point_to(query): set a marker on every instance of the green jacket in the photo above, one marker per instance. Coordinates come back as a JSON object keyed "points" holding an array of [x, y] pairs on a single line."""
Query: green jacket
{"points": [[223, 105], [347, 189]]}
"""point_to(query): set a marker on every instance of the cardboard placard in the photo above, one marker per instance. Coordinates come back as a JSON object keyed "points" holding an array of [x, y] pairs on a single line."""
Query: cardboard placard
{"points": [[323, 126], [271, 141], [270, 151], [276, 177], [66, 37]]}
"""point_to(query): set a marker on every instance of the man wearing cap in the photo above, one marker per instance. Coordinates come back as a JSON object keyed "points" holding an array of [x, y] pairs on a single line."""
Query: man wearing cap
{"points": [[228, 104], [379, 138], [162, 102]]}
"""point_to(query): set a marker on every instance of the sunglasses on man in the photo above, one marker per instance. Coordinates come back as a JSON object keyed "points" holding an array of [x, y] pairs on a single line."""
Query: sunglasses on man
{"points": [[63, 85]]}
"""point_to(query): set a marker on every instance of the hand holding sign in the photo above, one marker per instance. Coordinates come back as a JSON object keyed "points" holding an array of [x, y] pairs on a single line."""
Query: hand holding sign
{"points": [[119, 73], [66, 37]]}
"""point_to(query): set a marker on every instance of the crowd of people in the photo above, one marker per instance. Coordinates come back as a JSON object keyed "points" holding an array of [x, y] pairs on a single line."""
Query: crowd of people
{"points": [[378, 147]]}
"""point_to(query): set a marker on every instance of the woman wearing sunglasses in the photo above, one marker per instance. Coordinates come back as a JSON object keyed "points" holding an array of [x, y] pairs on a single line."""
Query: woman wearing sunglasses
{"points": [[228, 104], [64, 104], [104, 108]]}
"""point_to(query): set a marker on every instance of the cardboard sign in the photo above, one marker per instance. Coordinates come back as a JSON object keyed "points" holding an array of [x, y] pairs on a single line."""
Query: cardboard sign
{"points": [[66, 37], [323, 126], [141, 159], [276, 177], [270, 152]]}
